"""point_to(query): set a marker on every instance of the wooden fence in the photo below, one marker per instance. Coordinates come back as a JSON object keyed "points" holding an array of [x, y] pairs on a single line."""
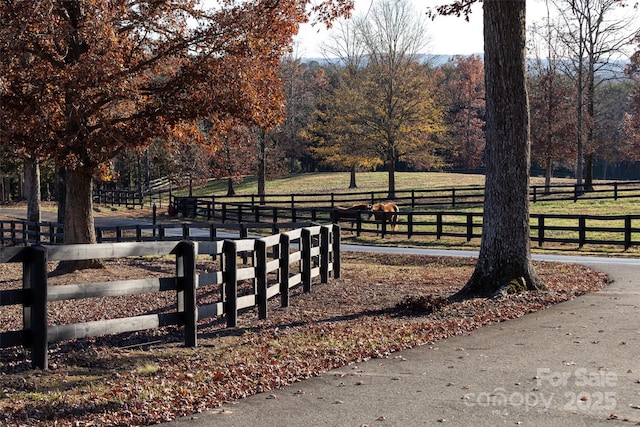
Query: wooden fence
{"points": [[613, 230], [19, 232], [411, 199], [294, 258]]}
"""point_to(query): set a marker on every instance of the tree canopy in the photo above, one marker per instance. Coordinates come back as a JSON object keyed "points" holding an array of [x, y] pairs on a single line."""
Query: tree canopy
{"points": [[82, 80]]}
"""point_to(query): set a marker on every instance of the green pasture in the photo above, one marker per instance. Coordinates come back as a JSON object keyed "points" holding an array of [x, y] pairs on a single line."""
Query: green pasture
{"points": [[326, 183], [338, 182]]}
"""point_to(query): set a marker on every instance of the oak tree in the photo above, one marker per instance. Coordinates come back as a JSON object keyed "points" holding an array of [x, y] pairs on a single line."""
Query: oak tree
{"points": [[398, 110], [82, 80], [631, 121], [594, 36], [463, 84], [504, 262], [338, 140], [551, 96]]}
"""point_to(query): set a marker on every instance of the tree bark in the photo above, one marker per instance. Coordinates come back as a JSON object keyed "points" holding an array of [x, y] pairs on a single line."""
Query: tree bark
{"points": [[230, 190], [61, 197], [588, 172], [32, 189], [548, 173], [79, 225], [504, 263], [352, 177]]}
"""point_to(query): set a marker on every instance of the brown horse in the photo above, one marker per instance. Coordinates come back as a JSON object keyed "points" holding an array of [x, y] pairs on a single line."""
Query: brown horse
{"points": [[351, 213], [387, 212]]}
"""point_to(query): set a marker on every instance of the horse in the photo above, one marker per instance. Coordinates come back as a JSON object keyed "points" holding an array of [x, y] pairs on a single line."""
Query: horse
{"points": [[351, 213], [387, 212]]}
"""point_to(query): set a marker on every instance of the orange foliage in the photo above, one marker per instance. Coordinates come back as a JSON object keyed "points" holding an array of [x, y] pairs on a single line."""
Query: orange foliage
{"points": [[85, 79]]}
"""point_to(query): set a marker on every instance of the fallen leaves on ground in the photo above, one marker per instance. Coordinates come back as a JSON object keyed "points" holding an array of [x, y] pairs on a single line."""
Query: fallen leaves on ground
{"points": [[150, 377]]}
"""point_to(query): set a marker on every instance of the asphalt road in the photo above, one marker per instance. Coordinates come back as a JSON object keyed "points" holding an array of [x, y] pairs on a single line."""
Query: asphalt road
{"points": [[573, 364]]}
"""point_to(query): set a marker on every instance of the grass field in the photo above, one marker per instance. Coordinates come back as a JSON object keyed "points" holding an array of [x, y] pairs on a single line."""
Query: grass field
{"points": [[324, 183], [338, 182]]}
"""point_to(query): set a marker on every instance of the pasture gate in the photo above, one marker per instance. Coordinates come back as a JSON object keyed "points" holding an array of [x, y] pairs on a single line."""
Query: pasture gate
{"points": [[278, 263]]}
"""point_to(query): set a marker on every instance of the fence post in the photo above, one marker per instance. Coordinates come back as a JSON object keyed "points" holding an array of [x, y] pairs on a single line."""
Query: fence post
{"points": [[615, 191], [51, 234], [413, 199], [540, 230], [453, 197], [244, 232], [285, 243], [410, 225], [324, 253], [535, 193], [581, 230], [261, 277], [34, 283], [438, 226], [627, 232], [186, 273], [469, 227], [306, 260], [383, 227], [230, 273], [335, 249]]}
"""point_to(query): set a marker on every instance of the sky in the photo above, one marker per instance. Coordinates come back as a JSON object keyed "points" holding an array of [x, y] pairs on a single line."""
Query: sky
{"points": [[449, 35]]}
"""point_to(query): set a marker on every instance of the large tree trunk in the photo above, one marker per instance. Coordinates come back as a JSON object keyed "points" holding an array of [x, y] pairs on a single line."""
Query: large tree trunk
{"points": [[352, 177], [230, 190], [78, 217], [32, 189], [588, 172], [504, 262], [61, 197]]}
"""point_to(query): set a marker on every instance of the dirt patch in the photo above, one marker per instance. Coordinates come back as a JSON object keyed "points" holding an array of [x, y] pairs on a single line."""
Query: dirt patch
{"points": [[150, 377]]}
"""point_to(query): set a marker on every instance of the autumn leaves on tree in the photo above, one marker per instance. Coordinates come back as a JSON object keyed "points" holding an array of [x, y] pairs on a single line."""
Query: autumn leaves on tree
{"points": [[84, 80]]}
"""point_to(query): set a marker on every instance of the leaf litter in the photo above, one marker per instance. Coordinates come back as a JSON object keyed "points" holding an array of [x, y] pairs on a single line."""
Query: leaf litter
{"points": [[381, 304]]}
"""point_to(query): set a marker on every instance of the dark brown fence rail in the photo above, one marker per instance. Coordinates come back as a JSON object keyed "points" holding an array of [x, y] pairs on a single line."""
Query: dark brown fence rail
{"points": [[127, 198], [16, 232], [411, 199], [612, 230], [289, 259]]}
